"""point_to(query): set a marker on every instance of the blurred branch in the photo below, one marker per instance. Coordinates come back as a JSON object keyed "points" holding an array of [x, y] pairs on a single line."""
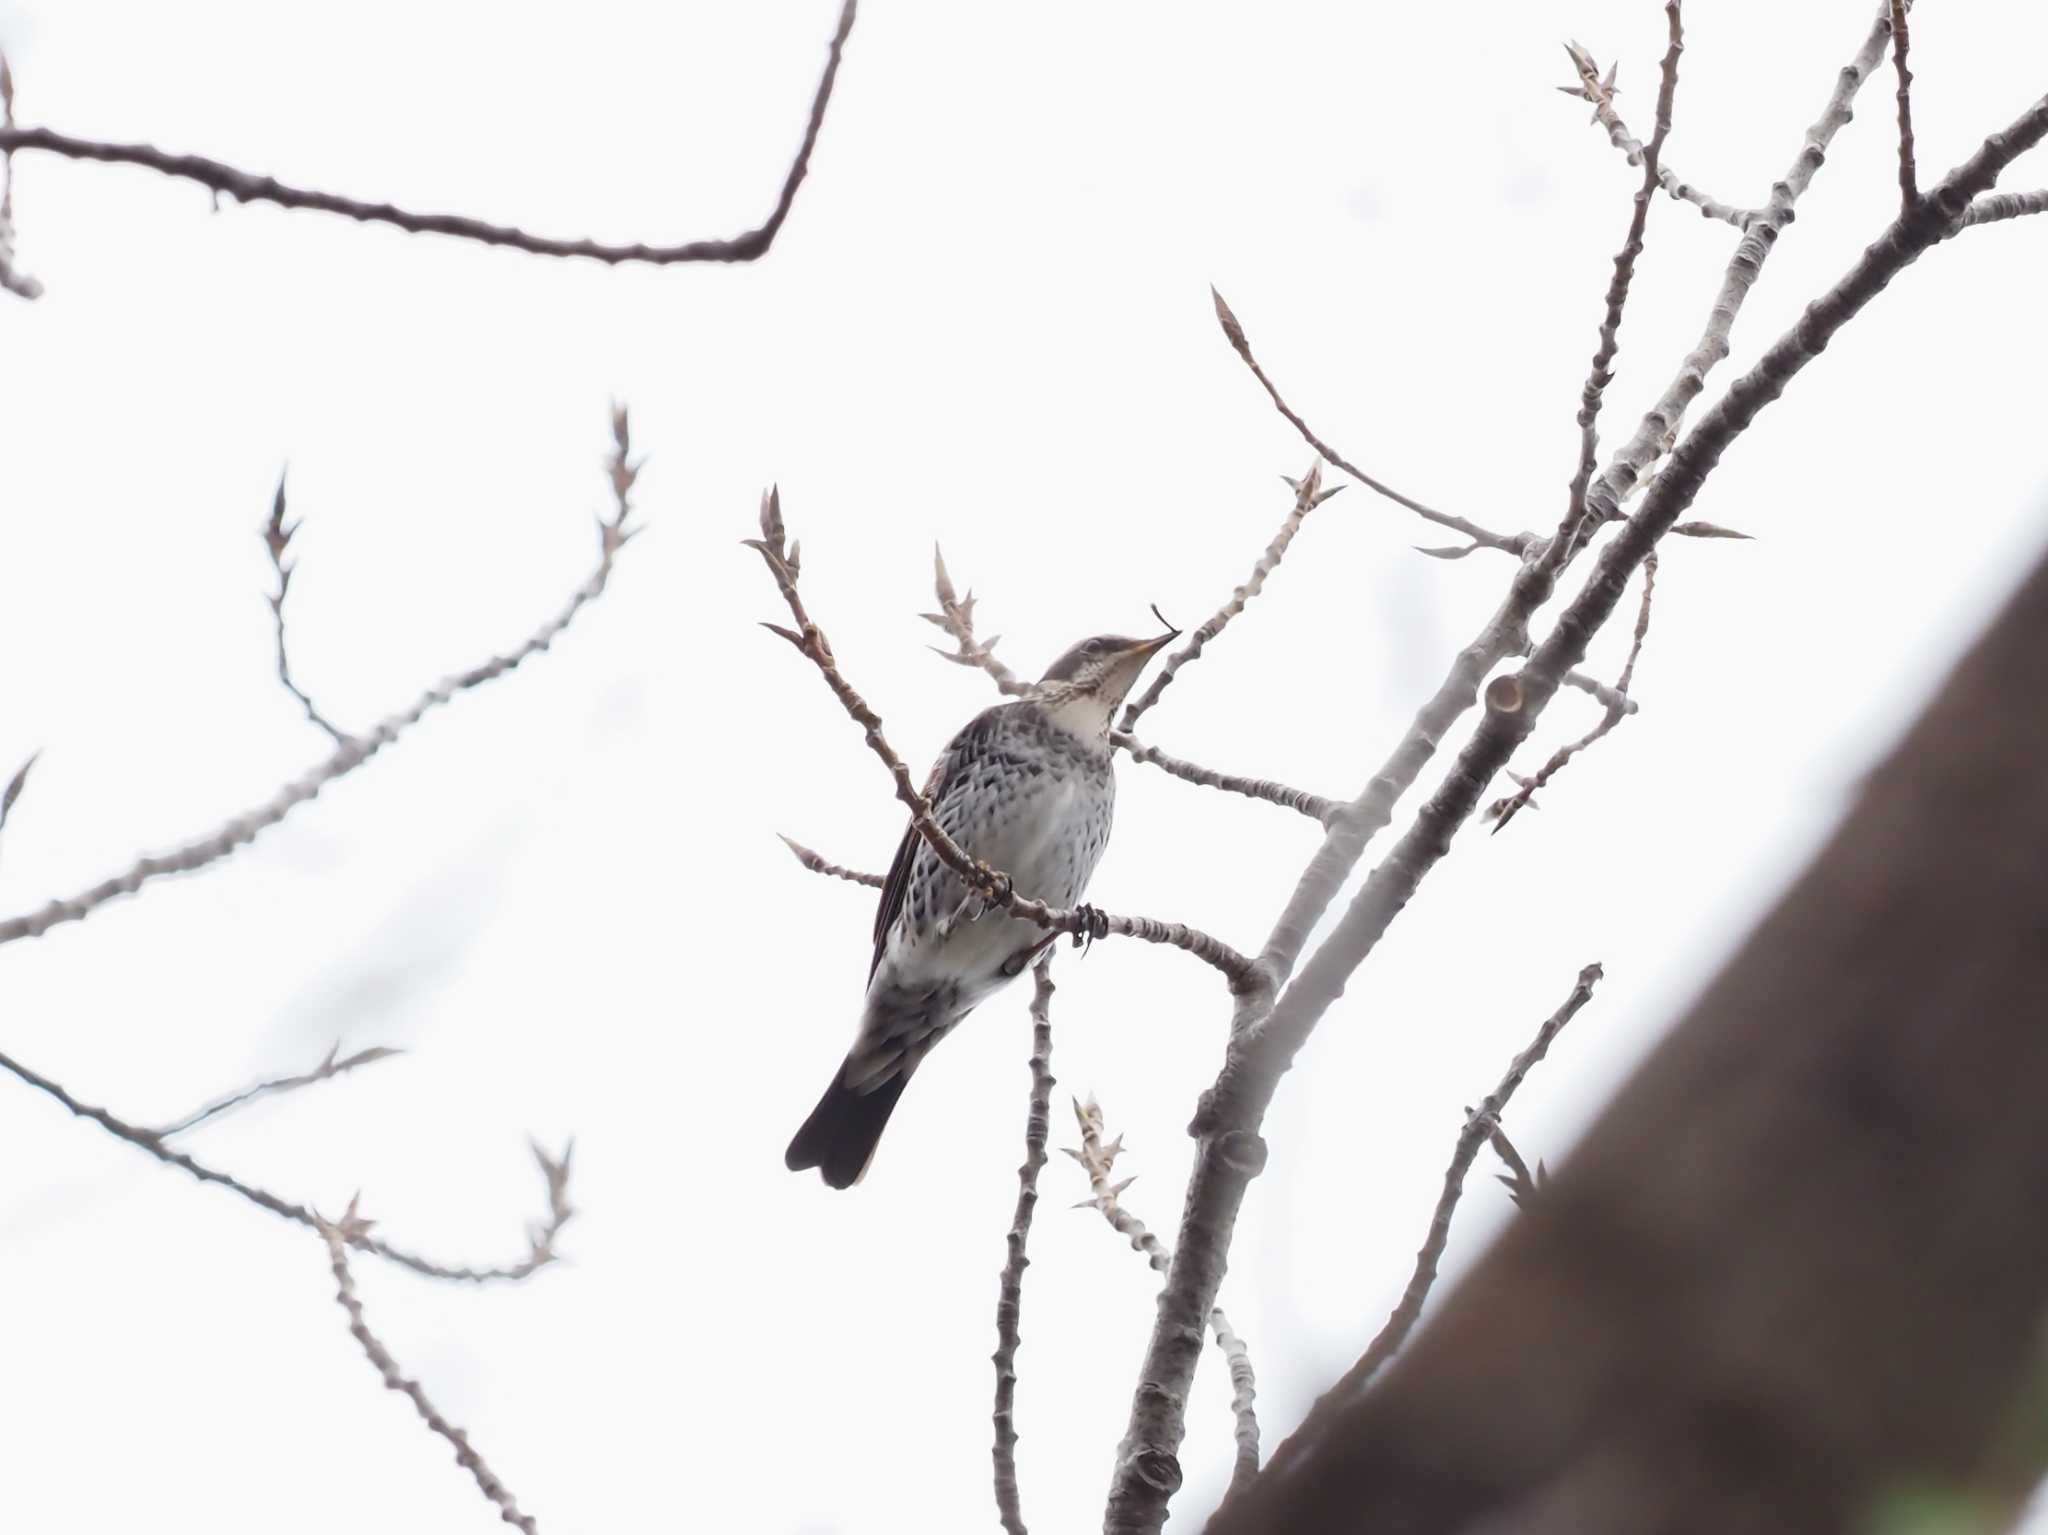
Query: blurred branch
{"points": [[243, 829], [350, 1231], [819, 865], [277, 538], [1481, 1125], [1599, 90], [1098, 1159], [1593, 393], [12, 278], [1308, 495], [995, 888], [1233, 332], [1010, 1293], [332, 1065], [14, 787], [245, 187], [1901, 42], [541, 1239], [1502, 811]]}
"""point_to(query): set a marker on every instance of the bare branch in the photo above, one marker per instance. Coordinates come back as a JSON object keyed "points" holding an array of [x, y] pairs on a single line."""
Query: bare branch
{"points": [[245, 187], [277, 538], [1233, 332], [1010, 1294], [1600, 690], [2004, 205], [333, 1064], [1502, 811], [1599, 90], [1909, 192], [244, 828], [994, 887], [1594, 391], [15, 785], [11, 278], [1308, 495], [956, 617], [1098, 1159], [1481, 1124], [541, 1251], [350, 1231], [819, 865], [1314, 806]]}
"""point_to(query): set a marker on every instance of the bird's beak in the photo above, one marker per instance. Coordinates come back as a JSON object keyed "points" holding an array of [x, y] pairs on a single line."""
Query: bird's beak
{"points": [[1171, 634]]}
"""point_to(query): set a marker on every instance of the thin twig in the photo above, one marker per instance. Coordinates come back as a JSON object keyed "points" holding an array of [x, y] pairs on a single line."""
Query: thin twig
{"points": [[277, 538], [1233, 332], [339, 1237], [956, 617], [541, 1239], [613, 536], [1593, 392], [1098, 1159], [1010, 1291], [14, 787], [2000, 206], [1502, 811], [991, 885], [1314, 806], [820, 865], [1909, 192], [246, 187], [333, 1064], [1308, 495], [1599, 90], [1479, 1126], [11, 278]]}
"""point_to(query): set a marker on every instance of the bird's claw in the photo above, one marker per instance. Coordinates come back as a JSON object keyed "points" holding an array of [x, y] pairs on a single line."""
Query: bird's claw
{"points": [[1094, 925]]}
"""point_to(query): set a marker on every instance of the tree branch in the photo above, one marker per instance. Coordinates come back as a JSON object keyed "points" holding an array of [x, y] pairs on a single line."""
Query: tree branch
{"points": [[339, 1238], [1308, 495], [1314, 806], [613, 536], [541, 1239], [1233, 332], [332, 1065], [12, 278], [819, 865], [2004, 205], [277, 538], [1230, 1152], [245, 187], [1010, 1292], [1901, 42], [995, 888], [1599, 90]]}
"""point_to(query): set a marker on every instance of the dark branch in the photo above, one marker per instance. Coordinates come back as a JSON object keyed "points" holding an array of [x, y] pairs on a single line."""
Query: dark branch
{"points": [[1010, 1292], [334, 1064], [1909, 192], [245, 187]]}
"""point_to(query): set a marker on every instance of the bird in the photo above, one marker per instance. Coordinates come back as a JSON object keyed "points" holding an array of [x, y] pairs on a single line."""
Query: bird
{"points": [[1027, 787]]}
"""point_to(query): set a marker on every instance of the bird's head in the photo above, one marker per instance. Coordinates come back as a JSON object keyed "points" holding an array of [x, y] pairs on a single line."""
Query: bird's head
{"points": [[1085, 687]]}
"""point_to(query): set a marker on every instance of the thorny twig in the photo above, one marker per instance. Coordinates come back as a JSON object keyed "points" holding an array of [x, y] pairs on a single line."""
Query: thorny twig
{"points": [[995, 888], [246, 187], [1480, 1124], [541, 1238], [1909, 192], [1233, 332], [1308, 495], [613, 535], [351, 1231], [1502, 811], [1098, 1159], [820, 865], [1599, 89], [277, 538], [1010, 1291], [333, 1064]]}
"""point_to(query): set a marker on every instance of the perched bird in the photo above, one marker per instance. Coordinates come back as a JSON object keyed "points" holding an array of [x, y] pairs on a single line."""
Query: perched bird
{"points": [[1028, 788]]}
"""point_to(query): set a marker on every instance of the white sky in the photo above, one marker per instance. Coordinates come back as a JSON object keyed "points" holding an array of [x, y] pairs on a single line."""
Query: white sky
{"points": [[987, 323]]}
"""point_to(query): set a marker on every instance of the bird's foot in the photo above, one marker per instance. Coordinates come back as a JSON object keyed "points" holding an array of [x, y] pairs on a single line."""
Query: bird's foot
{"points": [[1094, 925]]}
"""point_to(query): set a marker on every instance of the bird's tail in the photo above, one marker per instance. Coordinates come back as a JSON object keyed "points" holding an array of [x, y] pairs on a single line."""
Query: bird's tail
{"points": [[840, 1137]]}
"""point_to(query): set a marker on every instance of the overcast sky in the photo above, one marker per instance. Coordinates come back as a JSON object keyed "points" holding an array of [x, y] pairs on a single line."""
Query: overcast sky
{"points": [[987, 323]]}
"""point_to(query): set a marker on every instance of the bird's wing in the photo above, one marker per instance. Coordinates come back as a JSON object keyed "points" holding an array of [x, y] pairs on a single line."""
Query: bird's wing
{"points": [[949, 776]]}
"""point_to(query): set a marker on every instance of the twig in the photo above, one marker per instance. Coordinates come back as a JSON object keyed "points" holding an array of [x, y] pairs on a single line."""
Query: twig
{"points": [[14, 787], [995, 888], [1233, 332], [613, 536], [11, 278], [1010, 1293], [1098, 1159], [956, 617], [1502, 811], [1314, 806], [1593, 392], [277, 538], [332, 1065], [1480, 1125], [1599, 90], [1596, 689], [819, 865], [339, 1237], [2001, 206], [245, 187], [1908, 190], [541, 1239], [1308, 495], [1522, 1185]]}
